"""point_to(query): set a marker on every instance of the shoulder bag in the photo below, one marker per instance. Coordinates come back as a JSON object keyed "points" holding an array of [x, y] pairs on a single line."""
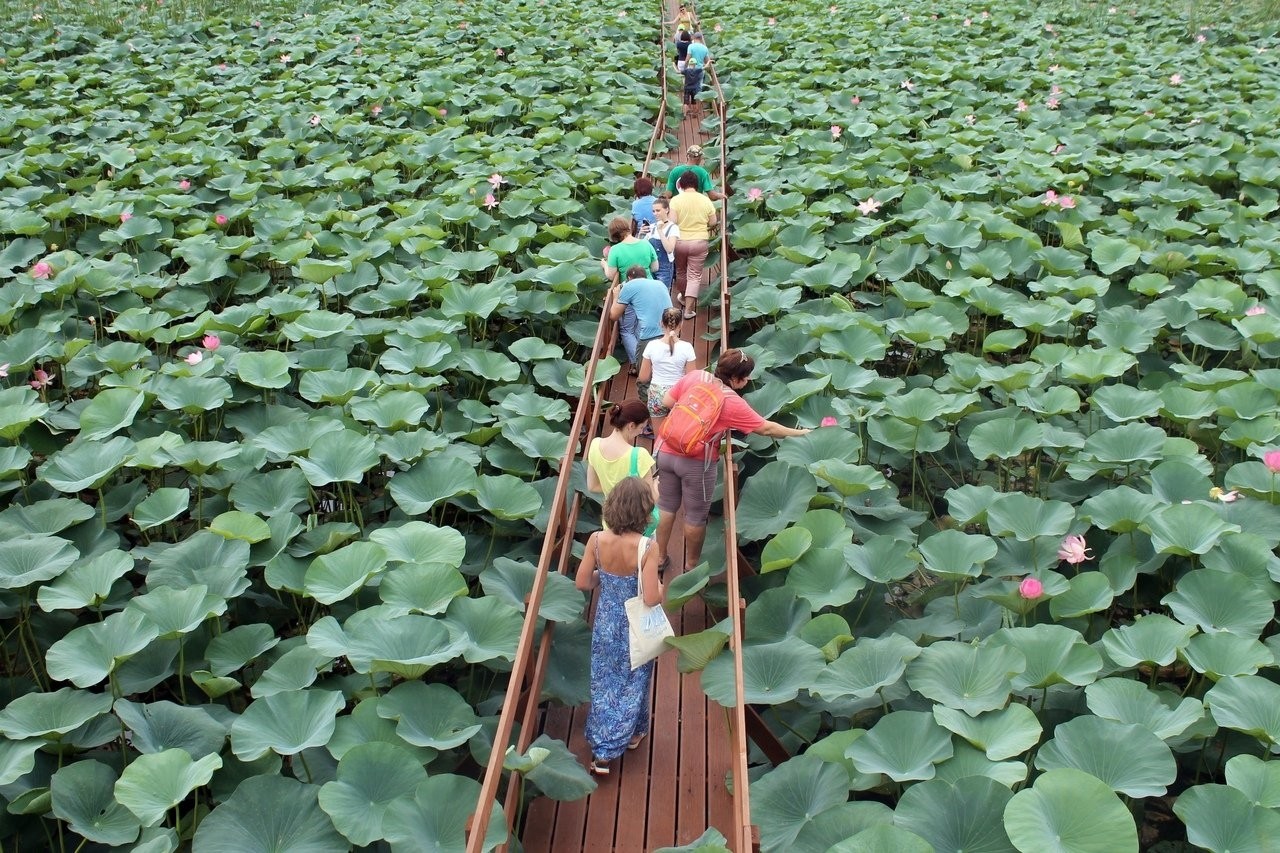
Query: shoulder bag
{"points": [[647, 627]]}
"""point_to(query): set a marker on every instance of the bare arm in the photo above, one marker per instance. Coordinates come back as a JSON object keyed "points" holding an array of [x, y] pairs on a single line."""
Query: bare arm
{"points": [[649, 578], [646, 370], [593, 480], [773, 429], [668, 244], [617, 308], [586, 578]]}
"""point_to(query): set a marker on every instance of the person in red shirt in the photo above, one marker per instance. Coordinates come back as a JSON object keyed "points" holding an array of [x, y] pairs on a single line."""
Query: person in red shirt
{"points": [[688, 482]]}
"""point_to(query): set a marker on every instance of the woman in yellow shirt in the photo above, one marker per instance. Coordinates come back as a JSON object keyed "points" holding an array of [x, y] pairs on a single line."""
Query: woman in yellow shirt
{"points": [[695, 215], [613, 458]]}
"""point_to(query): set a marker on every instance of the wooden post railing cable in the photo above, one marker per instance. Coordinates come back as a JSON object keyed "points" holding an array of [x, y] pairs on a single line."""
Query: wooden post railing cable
{"points": [[479, 822], [561, 523]]}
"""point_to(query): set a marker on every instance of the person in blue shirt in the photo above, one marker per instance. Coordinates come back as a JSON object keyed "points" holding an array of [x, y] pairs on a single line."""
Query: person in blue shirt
{"points": [[698, 53], [648, 297], [642, 205]]}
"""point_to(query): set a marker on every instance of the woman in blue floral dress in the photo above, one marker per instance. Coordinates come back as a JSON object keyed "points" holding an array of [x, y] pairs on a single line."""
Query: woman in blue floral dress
{"points": [[619, 717]]}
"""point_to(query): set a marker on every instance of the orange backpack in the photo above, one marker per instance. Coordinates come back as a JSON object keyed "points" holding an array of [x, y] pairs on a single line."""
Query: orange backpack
{"points": [[692, 420]]}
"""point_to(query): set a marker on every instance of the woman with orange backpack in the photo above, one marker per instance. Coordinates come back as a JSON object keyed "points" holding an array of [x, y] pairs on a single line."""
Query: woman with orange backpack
{"points": [[703, 407]]}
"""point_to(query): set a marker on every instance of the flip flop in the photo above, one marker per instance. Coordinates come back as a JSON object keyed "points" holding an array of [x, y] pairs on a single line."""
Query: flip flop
{"points": [[598, 767], [689, 315], [637, 740]]}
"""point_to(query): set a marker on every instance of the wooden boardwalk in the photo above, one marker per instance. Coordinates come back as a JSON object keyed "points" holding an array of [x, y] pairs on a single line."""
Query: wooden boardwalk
{"points": [[675, 786]]}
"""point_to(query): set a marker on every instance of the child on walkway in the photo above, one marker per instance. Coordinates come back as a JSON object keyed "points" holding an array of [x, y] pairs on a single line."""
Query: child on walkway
{"points": [[666, 361]]}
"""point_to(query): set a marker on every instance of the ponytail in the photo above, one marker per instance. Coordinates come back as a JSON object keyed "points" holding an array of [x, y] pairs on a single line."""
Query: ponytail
{"points": [[671, 320]]}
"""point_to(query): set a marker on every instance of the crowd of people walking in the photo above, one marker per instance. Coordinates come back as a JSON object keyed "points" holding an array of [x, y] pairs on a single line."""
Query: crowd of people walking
{"points": [[655, 264]]}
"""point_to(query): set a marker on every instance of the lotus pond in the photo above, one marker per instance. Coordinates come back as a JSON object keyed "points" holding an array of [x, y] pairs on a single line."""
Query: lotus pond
{"points": [[294, 315]]}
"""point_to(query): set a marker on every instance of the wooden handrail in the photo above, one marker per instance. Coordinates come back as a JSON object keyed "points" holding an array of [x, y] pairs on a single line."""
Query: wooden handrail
{"points": [[561, 523]]}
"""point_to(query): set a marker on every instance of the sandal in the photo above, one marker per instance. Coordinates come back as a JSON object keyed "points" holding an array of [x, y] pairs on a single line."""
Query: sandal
{"points": [[689, 315], [637, 740], [598, 767]]}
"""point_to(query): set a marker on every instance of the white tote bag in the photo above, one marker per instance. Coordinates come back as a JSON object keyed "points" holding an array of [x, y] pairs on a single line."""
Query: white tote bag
{"points": [[647, 626]]}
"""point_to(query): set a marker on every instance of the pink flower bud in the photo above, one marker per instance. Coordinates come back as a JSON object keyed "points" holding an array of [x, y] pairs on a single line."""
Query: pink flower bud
{"points": [[1272, 460], [220, 219], [1030, 588], [211, 342], [828, 421]]}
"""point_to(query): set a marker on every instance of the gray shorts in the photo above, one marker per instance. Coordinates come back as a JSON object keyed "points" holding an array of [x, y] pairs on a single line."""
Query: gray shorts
{"points": [[688, 482]]}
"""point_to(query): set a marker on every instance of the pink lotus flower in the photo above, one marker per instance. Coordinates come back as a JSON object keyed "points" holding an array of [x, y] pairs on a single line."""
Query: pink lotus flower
{"points": [[1058, 149], [968, 22], [211, 342], [832, 9], [125, 217], [286, 58], [184, 185], [1175, 79], [222, 66], [490, 202], [1052, 103], [1226, 497], [1272, 460], [4, 370], [257, 24], [755, 194], [855, 100], [315, 121], [1021, 107], [908, 85], [1050, 198], [1073, 550], [499, 52], [828, 421], [496, 180], [443, 112], [1048, 28], [375, 110], [1055, 89], [1200, 39], [1030, 588], [1112, 10], [869, 206], [836, 130], [1067, 202], [970, 119], [622, 14], [1255, 310], [773, 22], [985, 14], [1054, 68], [220, 219], [194, 357], [357, 38], [40, 379], [464, 24], [718, 28], [41, 269]]}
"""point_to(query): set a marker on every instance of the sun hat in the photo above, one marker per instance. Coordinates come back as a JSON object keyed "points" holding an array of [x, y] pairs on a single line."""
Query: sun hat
{"points": [[694, 151]]}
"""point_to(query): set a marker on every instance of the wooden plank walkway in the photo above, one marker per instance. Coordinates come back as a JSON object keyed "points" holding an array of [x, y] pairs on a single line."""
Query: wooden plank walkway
{"points": [[667, 792]]}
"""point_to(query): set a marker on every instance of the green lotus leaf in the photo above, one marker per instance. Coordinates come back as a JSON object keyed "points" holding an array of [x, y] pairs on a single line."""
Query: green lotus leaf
{"points": [[269, 493], [371, 777], [240, 525], [268, 369], [784, 549], [438, 816], [968, 762], [335, 576], [1129, 758], [1217, 601], [971, 678], [1112, 254], [1221, 654], [1164, 714], [432, 480], [1054, 654], [1069, 811], [89, 654], [1151, 639], [1186, 529], [873, 663], [420, 588], [903, 745], [156, 782], [19, 408], [883, 559], [1027, 518], [956, 816], [953, 554], [162, 505], [51, 715], [883, 837], [1005, 438], [85, 464], [711, 841], [159, 726], [695, 651], [1249, 704], [773, 672], [1220, 819], [774, 497], [559, 775], [512, 581], [1257, 779], [296, 669], [110, 410], [285, 723], [405, 645], [83, 795], [487, 628], [431, 715], [788, 798], [29, 558], [338, 457], [1120, 509], [17, 758], [269, 814], [192, 394], [1000, 734], [231, 650], [507, 497], [1089, 592], [828, 632]]}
